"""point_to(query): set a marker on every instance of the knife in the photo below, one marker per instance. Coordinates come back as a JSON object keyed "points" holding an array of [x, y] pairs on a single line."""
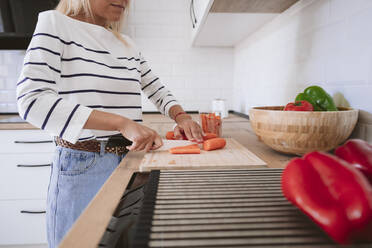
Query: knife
{"points": [[167, 144]]}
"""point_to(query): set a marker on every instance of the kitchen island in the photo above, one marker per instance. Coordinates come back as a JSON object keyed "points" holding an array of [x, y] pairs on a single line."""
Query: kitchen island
{"points": [[89, 228]]}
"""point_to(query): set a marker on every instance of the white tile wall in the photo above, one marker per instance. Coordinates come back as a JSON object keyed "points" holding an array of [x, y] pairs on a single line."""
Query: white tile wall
{"points": [[196, 76], [323, 42], [10, 67], [161, 29]]}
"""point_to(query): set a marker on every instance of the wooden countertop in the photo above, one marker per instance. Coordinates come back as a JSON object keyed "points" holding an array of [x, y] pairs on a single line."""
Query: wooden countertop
{"points": [[14, 122], [89, 228]]}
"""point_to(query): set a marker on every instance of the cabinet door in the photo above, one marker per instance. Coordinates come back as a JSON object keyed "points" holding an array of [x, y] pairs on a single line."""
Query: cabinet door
{"points": [[22, 222], [199, 10], [25, 141], [24, 176]]}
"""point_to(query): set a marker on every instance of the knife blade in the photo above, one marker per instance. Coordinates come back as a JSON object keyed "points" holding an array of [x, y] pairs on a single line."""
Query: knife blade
{"points": [[167, 144]]}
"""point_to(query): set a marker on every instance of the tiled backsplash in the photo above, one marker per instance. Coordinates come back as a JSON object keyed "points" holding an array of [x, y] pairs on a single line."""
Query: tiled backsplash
{"points": [[161, 29], [323, 42], [10, 67], [196, 76]]}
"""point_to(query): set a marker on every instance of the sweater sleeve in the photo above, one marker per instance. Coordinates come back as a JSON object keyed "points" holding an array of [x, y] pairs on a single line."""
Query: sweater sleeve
{"points": [[38, 100], [155, 91]]}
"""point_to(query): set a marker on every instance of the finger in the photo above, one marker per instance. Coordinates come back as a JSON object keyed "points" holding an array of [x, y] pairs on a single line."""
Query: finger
{"points": [[196, 133], [133, 146], [188, 134], [177, 133], [143, 144], [149, 145], [141, 147], [137, 142], [157, 143]]}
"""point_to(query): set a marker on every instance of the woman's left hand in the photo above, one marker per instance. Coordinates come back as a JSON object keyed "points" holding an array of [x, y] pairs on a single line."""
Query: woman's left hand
{"points": [[190, 128]]}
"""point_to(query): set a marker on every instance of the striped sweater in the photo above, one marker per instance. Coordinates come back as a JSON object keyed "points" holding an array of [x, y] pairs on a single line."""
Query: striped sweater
{"points": [[72, 67]]}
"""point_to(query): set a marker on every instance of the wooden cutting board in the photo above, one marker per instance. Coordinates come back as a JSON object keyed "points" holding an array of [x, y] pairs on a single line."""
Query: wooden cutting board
{"points": [[233, 156]]}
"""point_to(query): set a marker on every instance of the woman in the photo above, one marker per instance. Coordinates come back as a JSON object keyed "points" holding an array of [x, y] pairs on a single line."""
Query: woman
{"points": [[82, 83]]}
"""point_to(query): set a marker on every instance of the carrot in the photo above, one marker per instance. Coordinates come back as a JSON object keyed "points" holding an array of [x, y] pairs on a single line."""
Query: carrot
{"points": [[204, 122], [170, 135], [213, 144], [185, 151], [186, 147], [209, 136], [190, 149]]}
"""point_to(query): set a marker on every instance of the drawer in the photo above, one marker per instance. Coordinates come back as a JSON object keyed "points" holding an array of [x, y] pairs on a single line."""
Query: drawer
{"points": [[22, 222], [25, 141], [24, 176]]}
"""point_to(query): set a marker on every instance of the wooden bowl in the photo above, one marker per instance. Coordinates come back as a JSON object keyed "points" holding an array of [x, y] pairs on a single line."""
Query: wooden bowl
{"points": [[299, 132]]}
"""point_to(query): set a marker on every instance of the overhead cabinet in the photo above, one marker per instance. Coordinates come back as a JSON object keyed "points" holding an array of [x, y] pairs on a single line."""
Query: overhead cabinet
{"points": [[224, 23]]}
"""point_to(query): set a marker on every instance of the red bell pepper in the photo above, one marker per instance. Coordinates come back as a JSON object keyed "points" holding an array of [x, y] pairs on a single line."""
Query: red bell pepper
{"points": [[299, 106], [358, 153], [334, 194]]}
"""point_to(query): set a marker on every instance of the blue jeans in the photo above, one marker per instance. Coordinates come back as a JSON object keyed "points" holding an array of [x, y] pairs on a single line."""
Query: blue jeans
{"points": [[75, 179]]}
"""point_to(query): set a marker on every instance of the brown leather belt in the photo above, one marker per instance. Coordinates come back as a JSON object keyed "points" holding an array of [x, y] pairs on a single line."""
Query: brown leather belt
{"points": [[116, 145]]}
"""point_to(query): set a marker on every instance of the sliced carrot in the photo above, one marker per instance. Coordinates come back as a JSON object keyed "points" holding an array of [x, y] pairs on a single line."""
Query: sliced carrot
{"points": [[170, 135], [186, 147], [190, 149], [213, 144], [204, 122], [208, 136], [186, 151]]}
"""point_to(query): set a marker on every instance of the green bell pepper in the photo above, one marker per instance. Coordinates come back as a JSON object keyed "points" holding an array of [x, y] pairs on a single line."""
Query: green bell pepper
{"points": [[318, 97]]}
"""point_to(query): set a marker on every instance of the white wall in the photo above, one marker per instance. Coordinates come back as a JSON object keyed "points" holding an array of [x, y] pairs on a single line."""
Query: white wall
{"points": [[10, 67], [161, 28], [323, 42], [196, 76]]}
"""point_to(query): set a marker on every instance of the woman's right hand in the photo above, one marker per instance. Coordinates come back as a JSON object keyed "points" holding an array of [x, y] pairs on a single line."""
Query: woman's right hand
{"points": [[143, 138]]}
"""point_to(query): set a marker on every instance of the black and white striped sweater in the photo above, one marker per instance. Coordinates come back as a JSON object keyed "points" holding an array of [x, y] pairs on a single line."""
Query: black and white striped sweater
{"points": [[72, 67]]}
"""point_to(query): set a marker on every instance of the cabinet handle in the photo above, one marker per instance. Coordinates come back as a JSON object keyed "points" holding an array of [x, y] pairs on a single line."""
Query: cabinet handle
{"points": [[192, 14], [32, 142], [32, 212], [33, 165]]}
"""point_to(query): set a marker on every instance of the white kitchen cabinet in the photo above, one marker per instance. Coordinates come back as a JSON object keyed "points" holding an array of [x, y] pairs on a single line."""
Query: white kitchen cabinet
{"points": [[25, 141], [26, 157], [24, 176], [198, 11], [22, 222], [224, 23]]}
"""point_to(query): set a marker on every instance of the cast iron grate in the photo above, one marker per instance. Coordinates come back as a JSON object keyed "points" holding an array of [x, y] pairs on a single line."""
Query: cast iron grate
{"points": [[220, 208]]}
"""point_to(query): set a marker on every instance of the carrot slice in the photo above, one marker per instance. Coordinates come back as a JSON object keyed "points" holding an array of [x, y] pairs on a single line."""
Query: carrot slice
{"points": [[213, 144], [208, 136], [185, 151], [186, 147], [170, 135], [204, 122], [190, 149]]}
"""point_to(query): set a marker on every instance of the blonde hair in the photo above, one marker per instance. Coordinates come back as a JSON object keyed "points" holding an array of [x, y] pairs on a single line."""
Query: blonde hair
{"points": [[76, 7]]}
